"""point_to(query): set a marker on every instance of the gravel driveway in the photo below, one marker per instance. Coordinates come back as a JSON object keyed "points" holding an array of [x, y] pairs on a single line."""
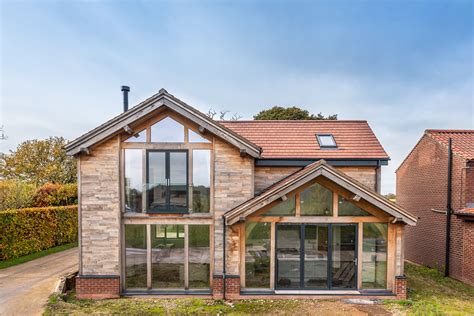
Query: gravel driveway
{"points": [[25, 288]]}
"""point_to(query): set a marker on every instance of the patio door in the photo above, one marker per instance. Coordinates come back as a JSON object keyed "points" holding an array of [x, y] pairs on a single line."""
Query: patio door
{"points": [[316, 256]]}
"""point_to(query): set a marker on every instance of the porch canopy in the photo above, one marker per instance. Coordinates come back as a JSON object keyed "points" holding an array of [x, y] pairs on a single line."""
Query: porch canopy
{"points": [[318, 169]]}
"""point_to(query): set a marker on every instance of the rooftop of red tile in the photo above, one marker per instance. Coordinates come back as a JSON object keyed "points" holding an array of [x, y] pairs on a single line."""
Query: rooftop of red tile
{"points": [[462, 140], [297, 139]]}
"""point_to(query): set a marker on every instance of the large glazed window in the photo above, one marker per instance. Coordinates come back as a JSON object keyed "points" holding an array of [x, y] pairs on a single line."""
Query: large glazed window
{"points": [[167, 182], [283, 208], [374, 257], [347, 208], [133, 180], [288, 255], [316, 201], [257, 255], [167, 131], [199, 256], [167, 256], [201, 181], [135, 256]]}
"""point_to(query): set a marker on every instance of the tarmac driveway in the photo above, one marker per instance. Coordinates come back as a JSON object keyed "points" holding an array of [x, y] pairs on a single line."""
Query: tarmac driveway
{"points": [[25, 288]]}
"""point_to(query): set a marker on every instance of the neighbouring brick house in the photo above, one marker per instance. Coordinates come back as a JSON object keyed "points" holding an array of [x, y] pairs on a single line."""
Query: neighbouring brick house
{"points": [[172, 202], [422, 188]]}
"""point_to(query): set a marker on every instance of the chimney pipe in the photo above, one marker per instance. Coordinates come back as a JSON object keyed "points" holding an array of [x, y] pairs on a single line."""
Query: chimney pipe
{"points": [[125, 90]]}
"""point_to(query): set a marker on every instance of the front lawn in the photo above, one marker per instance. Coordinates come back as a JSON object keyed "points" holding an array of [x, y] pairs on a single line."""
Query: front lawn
{"points": [[429, 294]]}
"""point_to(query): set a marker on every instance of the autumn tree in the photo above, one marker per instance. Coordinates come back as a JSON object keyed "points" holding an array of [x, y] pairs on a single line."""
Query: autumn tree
{"points": [[290, 113], [39, 162]]}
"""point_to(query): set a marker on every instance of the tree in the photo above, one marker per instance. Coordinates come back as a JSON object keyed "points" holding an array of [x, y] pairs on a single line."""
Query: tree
{"points": [[290, 113], [39, 162]]}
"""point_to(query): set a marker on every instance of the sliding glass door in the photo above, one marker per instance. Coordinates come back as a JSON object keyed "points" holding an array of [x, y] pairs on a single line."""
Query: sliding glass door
{"points": [[316, 256]]}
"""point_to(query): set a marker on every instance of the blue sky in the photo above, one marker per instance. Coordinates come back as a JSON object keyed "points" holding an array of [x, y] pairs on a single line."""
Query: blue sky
{"points": [[404, 66]]}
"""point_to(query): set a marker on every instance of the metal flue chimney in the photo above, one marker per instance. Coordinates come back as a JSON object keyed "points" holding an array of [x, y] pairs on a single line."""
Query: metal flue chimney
{"points": [[125, 90]]}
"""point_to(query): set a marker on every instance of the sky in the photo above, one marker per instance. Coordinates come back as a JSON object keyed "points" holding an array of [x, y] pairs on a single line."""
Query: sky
{"points": [[404, 66]]}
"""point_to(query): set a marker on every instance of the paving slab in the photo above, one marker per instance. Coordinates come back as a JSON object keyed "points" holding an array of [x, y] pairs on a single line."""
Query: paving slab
{"points": [[25, 288]]}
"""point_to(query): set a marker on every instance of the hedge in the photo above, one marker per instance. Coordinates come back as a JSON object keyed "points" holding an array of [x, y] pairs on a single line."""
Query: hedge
{"points": [[30, 230]]}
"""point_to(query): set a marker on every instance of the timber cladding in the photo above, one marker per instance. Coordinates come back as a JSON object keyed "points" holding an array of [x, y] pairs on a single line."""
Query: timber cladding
{"points": [[422, 190], [100, 212]]}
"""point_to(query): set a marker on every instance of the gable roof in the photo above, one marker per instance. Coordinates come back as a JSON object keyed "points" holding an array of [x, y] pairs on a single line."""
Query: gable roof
{"points": [[462, 140], [297, 139], [312, 171], [159, 100]]}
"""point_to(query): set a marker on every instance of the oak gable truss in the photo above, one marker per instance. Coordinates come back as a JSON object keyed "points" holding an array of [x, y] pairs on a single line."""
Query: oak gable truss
{"points": [[318, 170], [162, 99]]}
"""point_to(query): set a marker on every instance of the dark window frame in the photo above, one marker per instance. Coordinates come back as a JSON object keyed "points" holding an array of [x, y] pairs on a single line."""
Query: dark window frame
{"points": [[167, 209], [318, 136]]}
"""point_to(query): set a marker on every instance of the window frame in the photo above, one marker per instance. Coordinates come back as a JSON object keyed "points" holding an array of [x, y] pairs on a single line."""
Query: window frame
{"points": [[318, 136]]}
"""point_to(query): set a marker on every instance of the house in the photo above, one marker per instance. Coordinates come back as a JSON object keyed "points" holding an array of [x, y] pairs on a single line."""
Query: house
{"points": [[441, 240], [172, 202]]}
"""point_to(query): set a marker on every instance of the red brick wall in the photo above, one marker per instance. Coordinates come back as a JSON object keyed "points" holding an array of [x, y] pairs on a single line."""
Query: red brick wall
{"points": [[217, 287], [421, 187], [232, 287], [97, 287], [468, 253], [401, 287]]}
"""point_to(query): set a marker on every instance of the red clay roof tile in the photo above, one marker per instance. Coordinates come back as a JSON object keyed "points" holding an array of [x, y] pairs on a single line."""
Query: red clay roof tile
{"points": [[462, 140], [297, 139]]}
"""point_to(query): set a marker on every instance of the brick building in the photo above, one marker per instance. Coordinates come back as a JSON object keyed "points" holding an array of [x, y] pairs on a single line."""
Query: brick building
{"points": [[172, 202], [422, 188]]}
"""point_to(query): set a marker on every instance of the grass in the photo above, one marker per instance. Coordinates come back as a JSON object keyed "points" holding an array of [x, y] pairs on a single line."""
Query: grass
{"points": [[430, 293], [36, 255]]}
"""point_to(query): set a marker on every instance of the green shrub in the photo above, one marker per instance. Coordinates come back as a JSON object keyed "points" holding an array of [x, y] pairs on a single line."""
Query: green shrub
{"points": [[16, 194], [30, 230]]}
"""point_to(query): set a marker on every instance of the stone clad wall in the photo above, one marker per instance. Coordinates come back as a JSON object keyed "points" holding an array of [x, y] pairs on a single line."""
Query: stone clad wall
{"points": [[100, 211], [266, 176], [233, 178]]}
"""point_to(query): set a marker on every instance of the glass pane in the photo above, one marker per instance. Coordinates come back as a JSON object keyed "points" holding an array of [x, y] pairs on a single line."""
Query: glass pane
{"points": [[283, 208], [201, 181], [257, 255], [288, 256], [167, 256], [347, 208], [157, 180], [133, 180], [178, 181], [316, 256], [167, 131], [194, 137], [374, 258], [139, 137], [343, 256], [135, 256], [316, 201], [199, 256], [326, 141]]}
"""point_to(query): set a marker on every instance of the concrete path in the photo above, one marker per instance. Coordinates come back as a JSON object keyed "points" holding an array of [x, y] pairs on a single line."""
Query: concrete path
{"points": [[25, 288]]}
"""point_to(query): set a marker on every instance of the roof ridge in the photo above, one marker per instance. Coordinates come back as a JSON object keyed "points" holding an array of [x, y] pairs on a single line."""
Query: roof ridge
{"points": [[450, 131], [286, 121]]}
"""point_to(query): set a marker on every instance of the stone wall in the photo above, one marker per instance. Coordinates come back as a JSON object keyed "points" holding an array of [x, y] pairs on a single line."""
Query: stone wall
{"points": [[233, 178], [100, 211], [266, 176]]}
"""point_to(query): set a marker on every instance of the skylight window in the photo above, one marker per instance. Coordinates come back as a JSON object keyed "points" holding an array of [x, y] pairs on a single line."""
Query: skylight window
{"points": [[326, 141]]}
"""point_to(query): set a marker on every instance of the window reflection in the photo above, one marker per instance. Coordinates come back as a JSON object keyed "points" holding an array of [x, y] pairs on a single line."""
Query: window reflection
{"points": [[374, 258], [347, 208], [194, 137], [316, 201], [199, 256], [133, 180], [139, 137], [201, 181], [257, 255], [135, 256], [283, 208], [167, 131]]}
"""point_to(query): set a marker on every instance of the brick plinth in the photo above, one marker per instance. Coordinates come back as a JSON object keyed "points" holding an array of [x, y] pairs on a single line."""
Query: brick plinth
{"points": [[217, 287], [232, 286], [97, 286], [401, 287]]}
